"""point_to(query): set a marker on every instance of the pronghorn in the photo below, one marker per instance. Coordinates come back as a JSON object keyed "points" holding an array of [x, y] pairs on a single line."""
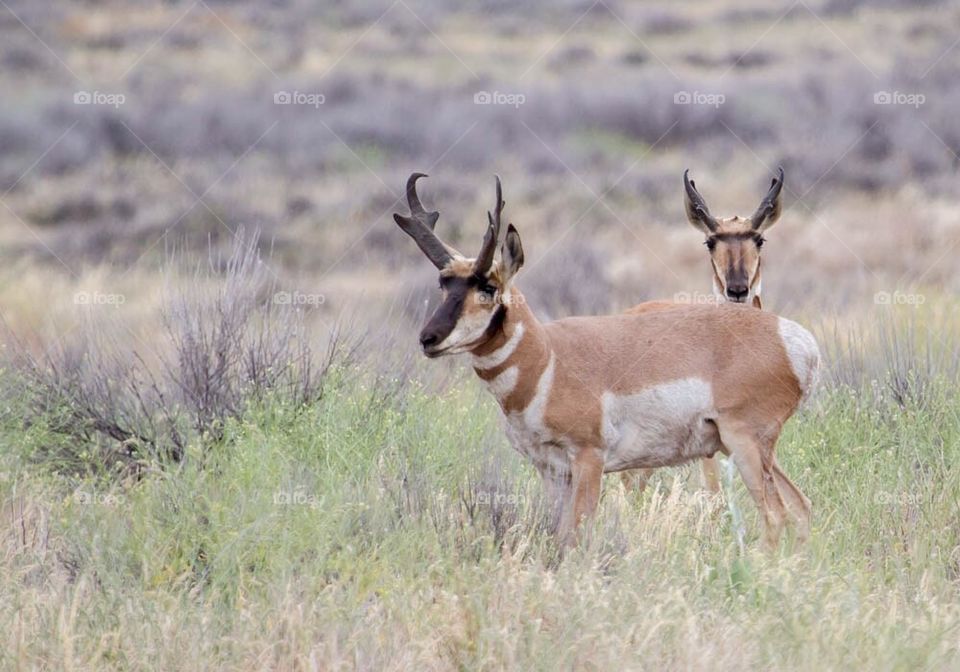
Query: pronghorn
{"points": [[588, 395], [734, 244]]}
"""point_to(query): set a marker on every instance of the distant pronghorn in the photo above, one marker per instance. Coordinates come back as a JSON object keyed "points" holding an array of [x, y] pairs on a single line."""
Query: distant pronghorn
{"points": [[588, 395], [734, 244]]}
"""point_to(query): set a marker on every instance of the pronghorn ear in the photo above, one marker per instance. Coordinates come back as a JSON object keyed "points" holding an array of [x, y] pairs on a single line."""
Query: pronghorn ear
{"points": [[511, 254]]}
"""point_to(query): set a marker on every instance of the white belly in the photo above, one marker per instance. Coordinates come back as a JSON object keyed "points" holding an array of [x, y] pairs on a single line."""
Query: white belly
{"points": [[662, 425]]}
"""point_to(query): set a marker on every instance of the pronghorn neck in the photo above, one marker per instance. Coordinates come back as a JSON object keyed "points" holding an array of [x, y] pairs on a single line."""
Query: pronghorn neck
{"points": [[517, 324], [519, 351]]}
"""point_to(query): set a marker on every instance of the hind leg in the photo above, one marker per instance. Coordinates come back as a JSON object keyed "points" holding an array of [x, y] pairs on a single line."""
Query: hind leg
{"points": [[798, 506], [753, 456]]}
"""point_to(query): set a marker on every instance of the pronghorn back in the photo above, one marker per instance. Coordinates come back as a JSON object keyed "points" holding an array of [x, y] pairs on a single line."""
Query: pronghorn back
{"points": [[706, 360]]}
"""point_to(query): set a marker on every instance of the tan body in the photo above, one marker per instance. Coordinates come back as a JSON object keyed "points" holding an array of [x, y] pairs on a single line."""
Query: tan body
{"points": [[588, 395], [656, 388], [635, 480]]}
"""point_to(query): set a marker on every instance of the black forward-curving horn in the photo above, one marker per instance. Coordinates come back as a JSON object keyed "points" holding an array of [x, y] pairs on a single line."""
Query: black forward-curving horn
{"points": [[420, 225], [697, 210], [485, 259], [770, 205]]}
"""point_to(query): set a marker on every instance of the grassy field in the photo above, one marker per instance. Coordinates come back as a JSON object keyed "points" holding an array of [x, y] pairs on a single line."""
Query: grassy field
{"points": [[389, 526], [199, 472]]}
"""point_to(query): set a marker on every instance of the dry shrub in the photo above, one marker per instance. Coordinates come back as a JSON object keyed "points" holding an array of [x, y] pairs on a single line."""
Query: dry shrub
{"points": [[226, 343], [901, 360]]}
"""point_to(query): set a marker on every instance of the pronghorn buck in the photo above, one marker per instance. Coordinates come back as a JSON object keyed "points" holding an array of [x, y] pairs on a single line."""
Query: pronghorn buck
{"points": [[734, 244], [588, 395]]}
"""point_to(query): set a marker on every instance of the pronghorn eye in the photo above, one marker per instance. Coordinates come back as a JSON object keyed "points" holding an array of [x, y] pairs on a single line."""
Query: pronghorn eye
{"points": [[710, 243], [489, 290], [759, 240]]}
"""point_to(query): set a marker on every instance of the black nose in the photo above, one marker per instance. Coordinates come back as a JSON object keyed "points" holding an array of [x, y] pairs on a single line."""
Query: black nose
{"points": [[428, 339], [737, 293]]}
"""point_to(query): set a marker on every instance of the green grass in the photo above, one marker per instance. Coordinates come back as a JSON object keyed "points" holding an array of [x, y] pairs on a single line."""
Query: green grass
{"points": [[401, 532]]}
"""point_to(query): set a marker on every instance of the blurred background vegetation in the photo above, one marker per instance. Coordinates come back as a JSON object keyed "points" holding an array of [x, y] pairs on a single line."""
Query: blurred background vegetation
{"points": [[94, 195]]}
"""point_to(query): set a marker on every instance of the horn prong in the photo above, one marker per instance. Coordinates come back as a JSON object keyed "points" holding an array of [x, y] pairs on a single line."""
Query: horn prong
{"points": [[769, 203], [492, 236], [696, 205], [420, 225]]}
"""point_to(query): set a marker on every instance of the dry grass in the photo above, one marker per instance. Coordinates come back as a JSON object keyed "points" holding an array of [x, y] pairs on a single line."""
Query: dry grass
{"points": [[372, 532]]}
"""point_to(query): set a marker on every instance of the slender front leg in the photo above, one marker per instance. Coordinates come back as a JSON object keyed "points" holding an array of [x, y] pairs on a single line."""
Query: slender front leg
{"points": [[586, 471]]}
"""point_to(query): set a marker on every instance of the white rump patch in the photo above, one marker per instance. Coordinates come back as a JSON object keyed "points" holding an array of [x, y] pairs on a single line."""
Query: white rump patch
{"points": [[803, 353], [501, 354], [661, 425]]}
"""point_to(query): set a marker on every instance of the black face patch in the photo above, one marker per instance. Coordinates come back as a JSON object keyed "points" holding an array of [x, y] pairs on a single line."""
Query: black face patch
{"points": [[448, 313]]}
